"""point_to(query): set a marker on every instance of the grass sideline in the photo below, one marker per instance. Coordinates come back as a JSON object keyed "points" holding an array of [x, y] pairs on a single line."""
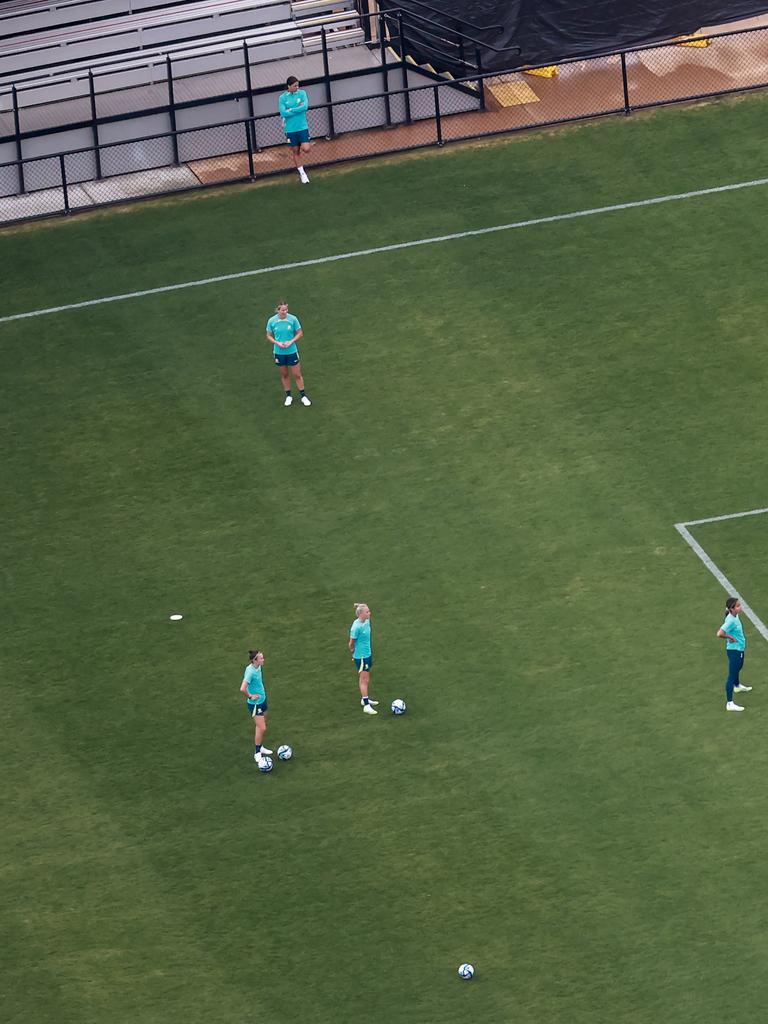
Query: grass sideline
{"points": [[503, 431]]}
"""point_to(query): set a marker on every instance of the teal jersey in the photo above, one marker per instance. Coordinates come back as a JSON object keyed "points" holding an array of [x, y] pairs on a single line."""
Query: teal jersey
{"points": [[733, 627], [293, 110], [284, 329], [360, 632], [252, 677]]}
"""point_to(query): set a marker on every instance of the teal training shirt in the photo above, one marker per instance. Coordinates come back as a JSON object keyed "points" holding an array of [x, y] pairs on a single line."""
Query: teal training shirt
{"points": [[293, 109], [360, 632], [284, 330], [733, 627], [252, 678]]}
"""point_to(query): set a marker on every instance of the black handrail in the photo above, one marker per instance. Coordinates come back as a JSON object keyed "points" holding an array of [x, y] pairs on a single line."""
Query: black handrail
{"points": [[443, 28], [453, 17]]}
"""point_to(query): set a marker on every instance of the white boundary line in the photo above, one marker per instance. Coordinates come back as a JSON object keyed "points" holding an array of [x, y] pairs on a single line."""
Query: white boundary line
{"points": [[722, 579], [515, 225]]}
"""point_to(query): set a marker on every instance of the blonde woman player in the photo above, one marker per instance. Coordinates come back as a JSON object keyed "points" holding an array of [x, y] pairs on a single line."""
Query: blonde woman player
{"points": [[360, 649], [256, 701]]}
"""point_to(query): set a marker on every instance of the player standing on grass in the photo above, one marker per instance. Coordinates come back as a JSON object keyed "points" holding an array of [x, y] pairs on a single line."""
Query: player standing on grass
{"points": [[256, 701], [732, 632], [294, 104], [283, 331], [360, 649]]}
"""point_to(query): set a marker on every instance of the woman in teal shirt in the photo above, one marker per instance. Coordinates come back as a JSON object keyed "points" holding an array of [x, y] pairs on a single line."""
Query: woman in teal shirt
{"points": [[256, 701], [293, 105], [360, 649], [732, 632]]}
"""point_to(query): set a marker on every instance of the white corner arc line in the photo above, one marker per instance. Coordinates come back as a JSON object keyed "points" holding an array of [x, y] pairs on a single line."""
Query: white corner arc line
{"points": [[515, 225], [721, 578]]}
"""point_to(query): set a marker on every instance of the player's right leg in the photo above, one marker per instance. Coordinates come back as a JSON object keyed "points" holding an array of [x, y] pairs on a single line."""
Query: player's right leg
{"points": [[363, 680], [285, 380], [260, 723]]}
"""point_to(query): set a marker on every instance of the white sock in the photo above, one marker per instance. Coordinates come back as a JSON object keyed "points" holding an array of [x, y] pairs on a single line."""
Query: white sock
{"points": [[300, 169]]}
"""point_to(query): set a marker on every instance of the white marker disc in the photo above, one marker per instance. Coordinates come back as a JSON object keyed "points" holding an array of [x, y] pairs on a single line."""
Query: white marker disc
{"points": [[176, 618]]}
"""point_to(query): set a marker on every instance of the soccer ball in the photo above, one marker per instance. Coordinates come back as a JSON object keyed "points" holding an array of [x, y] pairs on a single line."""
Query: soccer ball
{"points": [[466, 971], [284, 752], [265, 764], [399, 707]]}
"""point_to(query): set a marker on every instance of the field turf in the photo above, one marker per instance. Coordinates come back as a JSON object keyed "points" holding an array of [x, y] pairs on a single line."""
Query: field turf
{"points": [[504, 431]]}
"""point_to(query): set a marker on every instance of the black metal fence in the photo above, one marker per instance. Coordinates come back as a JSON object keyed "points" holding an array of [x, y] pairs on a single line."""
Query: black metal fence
{"points": [[407, 119]]}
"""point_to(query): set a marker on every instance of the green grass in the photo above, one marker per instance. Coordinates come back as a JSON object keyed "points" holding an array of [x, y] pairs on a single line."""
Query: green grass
{"points": [[504, 431]]}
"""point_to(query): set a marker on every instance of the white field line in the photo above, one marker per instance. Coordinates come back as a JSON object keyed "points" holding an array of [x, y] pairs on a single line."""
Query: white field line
{"points": [[722, 579], [515, 225]]}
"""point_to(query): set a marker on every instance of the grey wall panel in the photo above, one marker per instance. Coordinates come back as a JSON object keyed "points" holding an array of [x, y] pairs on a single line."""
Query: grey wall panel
{"points": [[75, 138], [211, 113], [362, 113], [365, 85], [208, 142], [422, 104], [149, 124], [137, 156], [9, 181], [40, 174], [80, 167]]}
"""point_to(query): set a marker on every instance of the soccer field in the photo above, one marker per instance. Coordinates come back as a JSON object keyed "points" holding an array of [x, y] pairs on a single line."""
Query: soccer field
{"points": [[505, 429]]}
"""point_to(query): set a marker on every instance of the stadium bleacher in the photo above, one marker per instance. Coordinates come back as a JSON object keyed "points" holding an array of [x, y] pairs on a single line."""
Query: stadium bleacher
{"points": [[131, 51], [102, 76]]}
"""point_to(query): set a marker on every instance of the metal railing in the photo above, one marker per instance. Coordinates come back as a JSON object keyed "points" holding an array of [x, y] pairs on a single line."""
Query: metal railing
{"points": [[396, 120]]}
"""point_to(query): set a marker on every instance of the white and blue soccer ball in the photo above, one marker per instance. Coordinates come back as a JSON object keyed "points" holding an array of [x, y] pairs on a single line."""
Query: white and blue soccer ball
{"points": [[466, 971], [265, 764], [399, 707], [284, 752]]}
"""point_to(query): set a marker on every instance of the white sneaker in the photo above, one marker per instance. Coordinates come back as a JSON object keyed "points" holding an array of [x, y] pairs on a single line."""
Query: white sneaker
{"points": [[288, 400], [368, 710], [370, 701], [730, 706], [266, 750], [304, 177], [741, 688], [305, 400]]}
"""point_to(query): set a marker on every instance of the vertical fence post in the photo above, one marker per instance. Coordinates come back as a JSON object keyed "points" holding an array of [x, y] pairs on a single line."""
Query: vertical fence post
{"points": [[172, 110], [366, 20], [438, 123], [384, 72], [17, 133], [248, 83], [249, 144], [94, 124], [327, 77], [480, 79], [404, 67], [249, 88], [64, 189], [625, 83]]}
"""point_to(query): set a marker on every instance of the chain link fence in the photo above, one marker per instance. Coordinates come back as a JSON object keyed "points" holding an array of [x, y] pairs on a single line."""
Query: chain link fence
{"points": [[389, 122]]}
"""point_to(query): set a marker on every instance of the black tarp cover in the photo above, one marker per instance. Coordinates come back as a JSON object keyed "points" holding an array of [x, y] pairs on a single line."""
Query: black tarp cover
{"points": [[552, 30]]}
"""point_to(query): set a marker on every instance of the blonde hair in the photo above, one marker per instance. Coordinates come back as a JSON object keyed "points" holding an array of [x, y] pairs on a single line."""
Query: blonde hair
{"points": [[359, 605]]}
